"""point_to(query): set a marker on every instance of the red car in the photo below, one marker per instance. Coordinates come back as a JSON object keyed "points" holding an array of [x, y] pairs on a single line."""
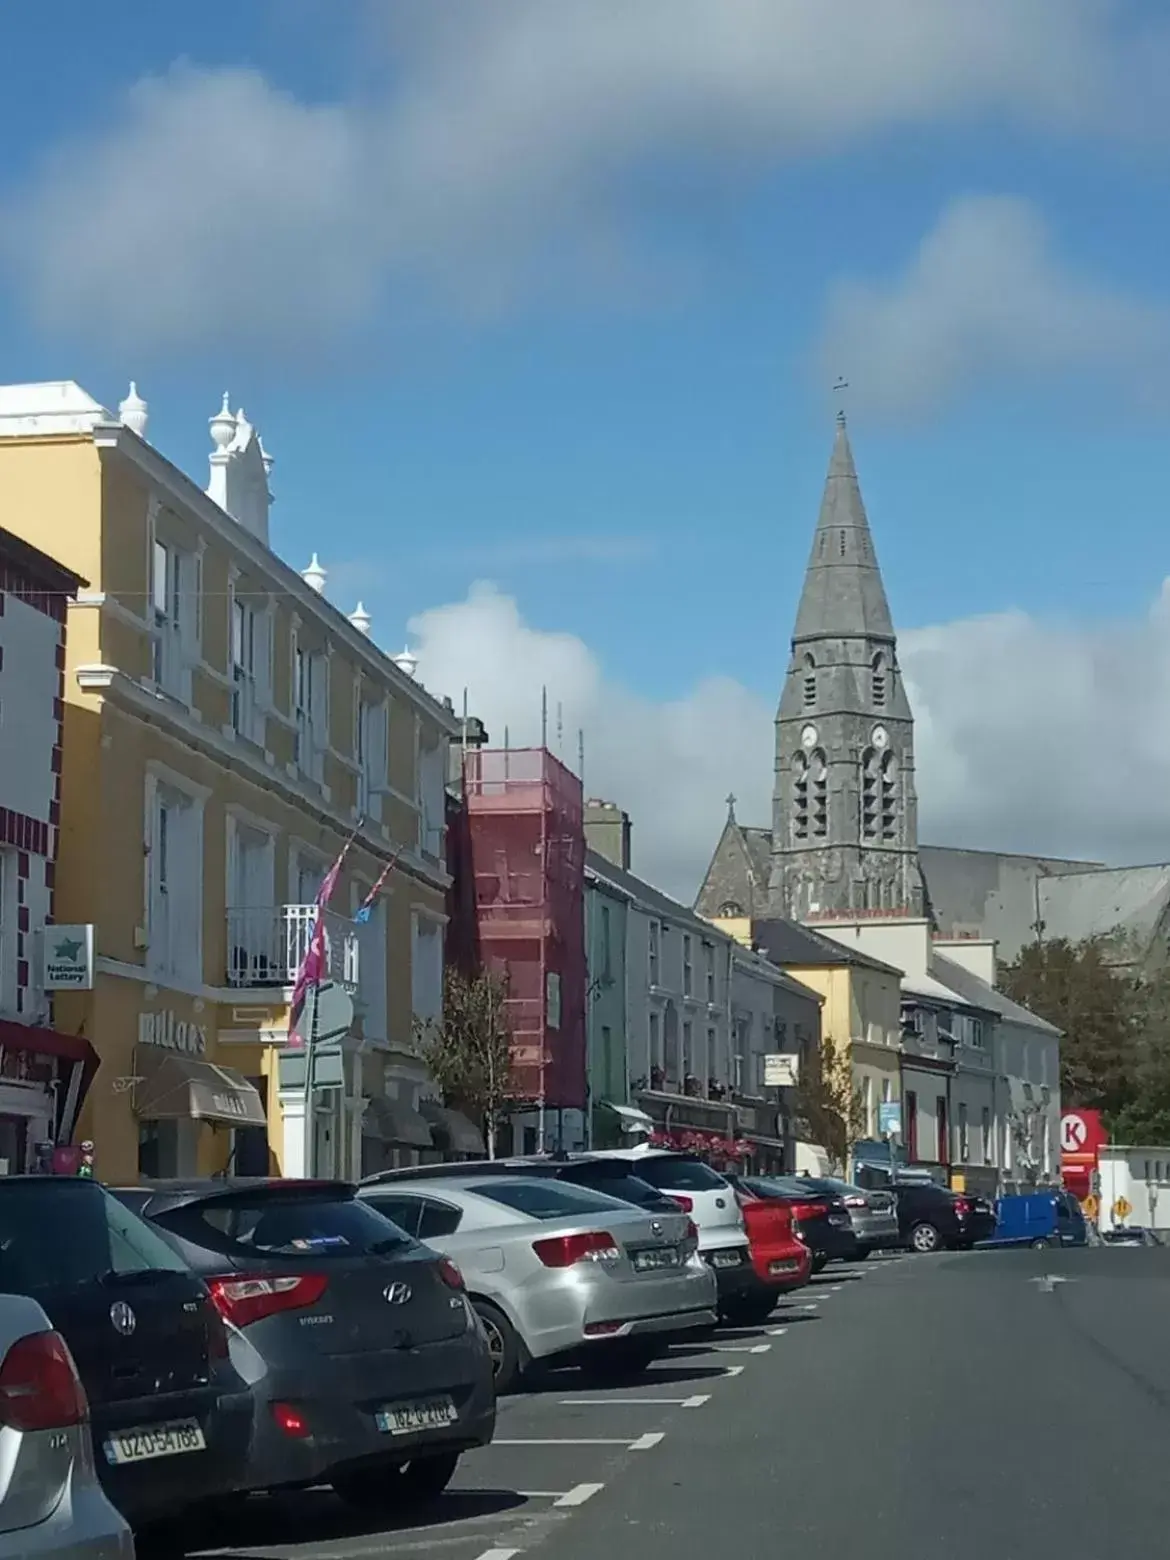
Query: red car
{"points": [[781, 1260]]}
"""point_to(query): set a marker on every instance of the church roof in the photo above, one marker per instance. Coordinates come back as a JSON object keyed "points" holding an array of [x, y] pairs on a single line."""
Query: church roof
{"points": [[843, 594]]}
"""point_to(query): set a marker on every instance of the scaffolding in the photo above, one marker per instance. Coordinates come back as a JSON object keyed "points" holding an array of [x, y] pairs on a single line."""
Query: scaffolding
{"points": [[525, 815]]}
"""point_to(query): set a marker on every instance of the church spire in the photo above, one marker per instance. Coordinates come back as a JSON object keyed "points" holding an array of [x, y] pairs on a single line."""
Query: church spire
{"points": [[843, 593]]}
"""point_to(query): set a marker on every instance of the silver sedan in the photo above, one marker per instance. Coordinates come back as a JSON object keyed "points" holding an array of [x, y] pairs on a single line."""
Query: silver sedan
{"points": [[560, 1273], [873, 1214]]}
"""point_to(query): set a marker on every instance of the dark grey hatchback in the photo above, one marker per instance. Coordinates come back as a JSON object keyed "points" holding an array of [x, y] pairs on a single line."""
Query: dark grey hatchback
{"points": [[369, 1369]]}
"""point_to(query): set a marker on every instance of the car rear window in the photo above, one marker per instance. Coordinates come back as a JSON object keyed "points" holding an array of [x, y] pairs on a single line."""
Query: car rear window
{"points": [[680, 1175], [780, 1186], [617, 1182], [546, 1199], [284, 1226], [60, 1234]]}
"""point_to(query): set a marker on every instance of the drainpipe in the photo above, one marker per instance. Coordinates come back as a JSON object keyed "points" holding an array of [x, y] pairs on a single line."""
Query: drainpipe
{"points": [[732, 1118]]}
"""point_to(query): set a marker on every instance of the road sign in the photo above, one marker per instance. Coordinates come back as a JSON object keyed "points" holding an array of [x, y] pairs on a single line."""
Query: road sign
{"points": [[890, 1118], [781, 1070], [1122, 1208], [328, 1067], [1091, 1206], [327, 1013], [1074, 1133]]}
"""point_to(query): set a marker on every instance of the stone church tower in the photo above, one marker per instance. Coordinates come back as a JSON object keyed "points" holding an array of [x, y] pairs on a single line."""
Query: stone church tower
{"points": [[844, 809]]}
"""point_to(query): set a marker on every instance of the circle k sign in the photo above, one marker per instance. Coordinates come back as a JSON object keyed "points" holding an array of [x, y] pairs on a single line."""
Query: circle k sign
{"points": [[1074, 1134]]}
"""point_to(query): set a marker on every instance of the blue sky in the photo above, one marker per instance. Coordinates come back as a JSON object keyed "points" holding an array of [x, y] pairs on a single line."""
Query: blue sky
{"points": [[554, 295]]}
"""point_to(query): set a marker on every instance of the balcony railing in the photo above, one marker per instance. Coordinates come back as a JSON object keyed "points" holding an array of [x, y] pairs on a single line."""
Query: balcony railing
{"points": [[265, 946]]}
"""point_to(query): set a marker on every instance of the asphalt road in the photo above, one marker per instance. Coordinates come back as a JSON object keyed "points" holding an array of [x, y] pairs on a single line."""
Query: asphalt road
{"points": [[990, 1406]]}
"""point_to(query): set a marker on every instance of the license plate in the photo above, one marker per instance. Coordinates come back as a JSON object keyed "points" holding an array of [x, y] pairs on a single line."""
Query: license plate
{"points": [[406, 1418], [839, 1218], [726, 1258], [783, 1267], [660, 1257], [131, 1446]]}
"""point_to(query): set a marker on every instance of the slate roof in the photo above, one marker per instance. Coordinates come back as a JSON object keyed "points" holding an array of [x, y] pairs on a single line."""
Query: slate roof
{"points": [[977, 993], [788, 943]]}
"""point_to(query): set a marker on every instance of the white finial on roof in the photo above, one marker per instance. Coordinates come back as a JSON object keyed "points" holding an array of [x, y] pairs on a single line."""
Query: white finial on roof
{"points": [[361, 619], [134, 412], [223, 425], [314, 576], [266, 458], [405, 662]]}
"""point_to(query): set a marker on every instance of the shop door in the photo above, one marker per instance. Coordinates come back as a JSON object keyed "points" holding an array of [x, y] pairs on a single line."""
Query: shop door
{"points": [[13, 1144]]}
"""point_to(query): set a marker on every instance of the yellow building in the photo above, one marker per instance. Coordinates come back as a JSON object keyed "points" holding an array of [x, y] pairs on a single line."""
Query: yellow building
{"points": [[862, 1002], [226, 730]]}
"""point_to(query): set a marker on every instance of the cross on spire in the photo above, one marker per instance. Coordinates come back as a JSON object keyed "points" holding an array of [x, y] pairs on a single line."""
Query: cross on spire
{"points": [[731, 801]]}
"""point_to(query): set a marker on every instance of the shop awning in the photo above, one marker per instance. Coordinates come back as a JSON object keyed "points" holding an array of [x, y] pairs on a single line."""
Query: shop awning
{"points": [[451, 1129], [175, 1087], [631, 1118], [393, 1122]]}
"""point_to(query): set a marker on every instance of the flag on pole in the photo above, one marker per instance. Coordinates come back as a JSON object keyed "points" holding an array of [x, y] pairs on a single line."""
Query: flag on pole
{"points": [[312, 968], [367, 906]]}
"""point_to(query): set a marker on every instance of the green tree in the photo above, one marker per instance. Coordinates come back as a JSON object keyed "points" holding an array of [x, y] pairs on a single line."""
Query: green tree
{"points": [[468, 1050], [828, 1103]]}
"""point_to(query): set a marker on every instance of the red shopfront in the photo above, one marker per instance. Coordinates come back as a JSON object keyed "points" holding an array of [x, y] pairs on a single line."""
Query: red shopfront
{"points": [[1082, 1136], [44, 1076]]}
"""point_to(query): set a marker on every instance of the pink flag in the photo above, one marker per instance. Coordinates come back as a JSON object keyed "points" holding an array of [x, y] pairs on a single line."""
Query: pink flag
{"points": [[312, 969]]}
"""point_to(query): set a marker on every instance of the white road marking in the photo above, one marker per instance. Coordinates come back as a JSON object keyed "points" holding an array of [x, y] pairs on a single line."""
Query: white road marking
{"points": [[741, 1348], [558, 1440], [812, 1305], [579, 1494], [646, 1443], [687, 1402], [728, 1370], [498, 1554], [776, 1332], [540, 1494], [836, 1289]]}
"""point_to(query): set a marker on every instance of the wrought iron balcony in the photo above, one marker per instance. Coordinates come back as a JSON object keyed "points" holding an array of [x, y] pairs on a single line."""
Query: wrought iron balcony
{"points": [[265, 947]]}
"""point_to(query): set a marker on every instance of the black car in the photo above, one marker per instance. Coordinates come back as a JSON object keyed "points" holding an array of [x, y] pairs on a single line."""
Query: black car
{"points": [[171, 1418], [819, 1218], [931, 1218], [370, 1369]]}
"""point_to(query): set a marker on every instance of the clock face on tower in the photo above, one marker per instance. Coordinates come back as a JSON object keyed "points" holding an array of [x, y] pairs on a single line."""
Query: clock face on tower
{"points": [[808, 737], [880, 737]]}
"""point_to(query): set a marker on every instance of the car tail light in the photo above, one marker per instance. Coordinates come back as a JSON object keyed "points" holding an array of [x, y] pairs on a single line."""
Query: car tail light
{"points": [[450, 1274], [242, 1301], [803, 1213], [962, 1206], [562, 1251], [692, 1231], [687, 1204], [291, 1420], [39, 1385]]}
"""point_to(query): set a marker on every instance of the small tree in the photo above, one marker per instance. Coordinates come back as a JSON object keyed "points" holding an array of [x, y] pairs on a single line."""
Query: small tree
{"points": [[469, 1049], [829, 1104]]}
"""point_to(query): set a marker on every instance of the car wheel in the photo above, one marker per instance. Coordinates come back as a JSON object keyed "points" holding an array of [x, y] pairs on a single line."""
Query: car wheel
{"points": [[393, 1489], [1043, 1245], [750, 1310], [861, 1253], [925, 1238], [819, 1262], [503, 1344], [622, 1360]]}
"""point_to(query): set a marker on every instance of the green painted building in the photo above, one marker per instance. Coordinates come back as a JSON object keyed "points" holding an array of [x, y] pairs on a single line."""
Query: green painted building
{"points": [[606, 915]]}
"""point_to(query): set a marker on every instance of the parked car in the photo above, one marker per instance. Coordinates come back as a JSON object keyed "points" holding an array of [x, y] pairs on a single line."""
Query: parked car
{"points": [[1050, 1217], [781, 1260], [820, 1219], [52, 1506], [560, 1273], [612, 1176], [170, 1417], [930, 1218], [873, 1214], [711, 1202], [369, 1368]]}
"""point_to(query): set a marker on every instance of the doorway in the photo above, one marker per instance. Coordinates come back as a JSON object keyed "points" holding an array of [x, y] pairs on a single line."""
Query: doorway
{"points": [[13, 1145]]}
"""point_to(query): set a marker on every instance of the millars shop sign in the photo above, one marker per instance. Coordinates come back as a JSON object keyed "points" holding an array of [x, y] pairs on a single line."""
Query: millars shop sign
{"points": [[171, 1034]]}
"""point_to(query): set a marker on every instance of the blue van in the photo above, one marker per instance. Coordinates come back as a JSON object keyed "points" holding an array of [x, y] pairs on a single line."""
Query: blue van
{"points": [[1048, 1218]]}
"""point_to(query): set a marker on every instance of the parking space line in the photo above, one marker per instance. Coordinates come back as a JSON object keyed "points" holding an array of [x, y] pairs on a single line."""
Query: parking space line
{"points": [[542, 1494], [559, 1440], [498, 1554], [579, 1494], [688, 1402], [741, 1348], [646, 1443], [734, 1370], [811, 1306]]}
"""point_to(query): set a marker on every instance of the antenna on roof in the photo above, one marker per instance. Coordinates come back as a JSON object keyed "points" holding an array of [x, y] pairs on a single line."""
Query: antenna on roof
{"points": [[543, 718], [581, 755], [560, 729]]}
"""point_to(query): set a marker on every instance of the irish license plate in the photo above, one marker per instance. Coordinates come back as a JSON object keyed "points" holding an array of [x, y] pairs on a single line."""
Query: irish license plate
{"points": [[405, 1418], [660, 1257], [783, 1267], [725, 1259], [142, 1445]]}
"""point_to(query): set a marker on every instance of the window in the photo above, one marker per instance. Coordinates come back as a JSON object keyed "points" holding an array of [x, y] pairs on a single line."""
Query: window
{"points": [[688, 1048], [613, 1178], [878, 680], [403, 1211], [432, 788], [911, 1125], [655, 1043], [879, 788], [426, 968], [250, 1223], [552, 999], [172, 618], [8, 925], [975, 1033], [688, 968], [93, 1234], [964, 1144], [654, 944], [810, 681], [942, 1135], [310, 711], [302, 706], [710, 956], [370, 757], [607, 1080], [243, 667], [985, 1135], [175, 884], [818, 794], [674, 1174], [799, 796], [545, 1199], [606, 946]]}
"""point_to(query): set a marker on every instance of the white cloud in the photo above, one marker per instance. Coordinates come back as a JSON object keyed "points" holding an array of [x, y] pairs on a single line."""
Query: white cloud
{"points": [[214, 204], [1031, 736], [986, 298]]}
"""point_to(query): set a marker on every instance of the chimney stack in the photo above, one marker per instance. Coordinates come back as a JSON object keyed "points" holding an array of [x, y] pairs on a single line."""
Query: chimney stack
{"points": [[607, 831]]}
